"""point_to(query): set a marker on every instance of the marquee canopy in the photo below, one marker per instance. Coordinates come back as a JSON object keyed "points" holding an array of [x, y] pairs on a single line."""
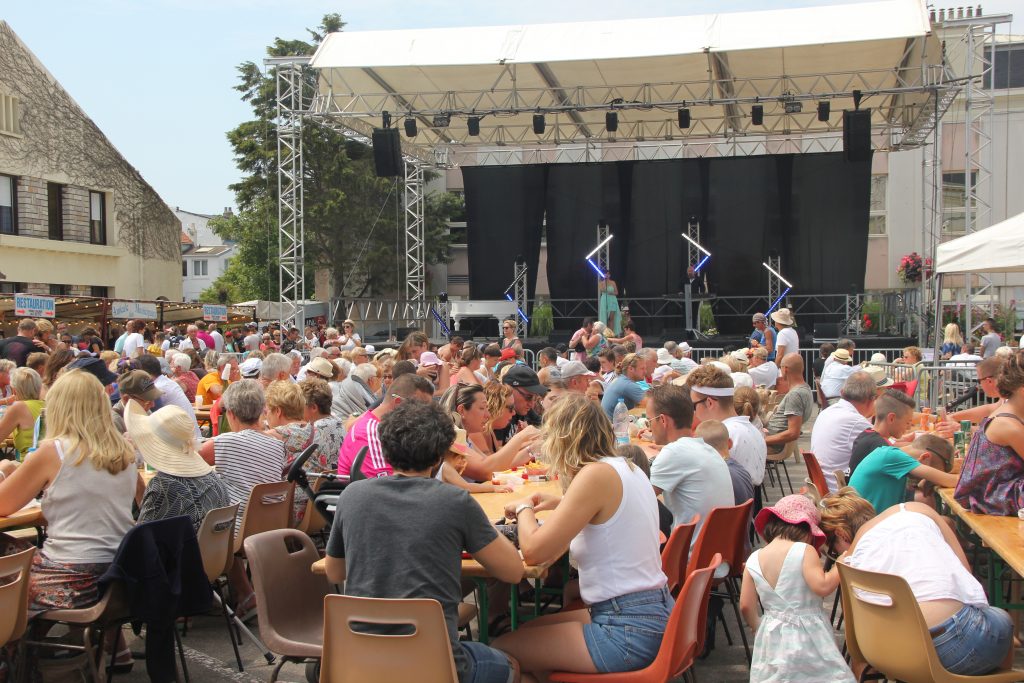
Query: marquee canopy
{"points": [[998, 249], [718, 66]]}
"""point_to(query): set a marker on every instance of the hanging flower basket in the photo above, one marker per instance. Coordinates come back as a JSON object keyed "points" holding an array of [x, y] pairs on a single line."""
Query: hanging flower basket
{"points": [[913, 267]]}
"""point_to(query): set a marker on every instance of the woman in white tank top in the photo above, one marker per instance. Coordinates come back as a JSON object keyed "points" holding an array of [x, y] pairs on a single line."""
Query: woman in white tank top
{"points": [[87, 473], [910, 540], [608, 518]]}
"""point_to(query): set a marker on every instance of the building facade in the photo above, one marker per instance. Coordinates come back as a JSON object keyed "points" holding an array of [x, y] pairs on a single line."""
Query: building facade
{"points": [[204, 255], [76, 219]]}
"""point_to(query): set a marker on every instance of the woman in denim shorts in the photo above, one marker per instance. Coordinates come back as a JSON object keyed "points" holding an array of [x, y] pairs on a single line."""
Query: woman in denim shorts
{"points": [[910, 540], [608, 517]]}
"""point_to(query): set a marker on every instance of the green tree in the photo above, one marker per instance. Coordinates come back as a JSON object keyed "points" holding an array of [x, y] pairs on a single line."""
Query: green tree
{"points": [[353, 219]]}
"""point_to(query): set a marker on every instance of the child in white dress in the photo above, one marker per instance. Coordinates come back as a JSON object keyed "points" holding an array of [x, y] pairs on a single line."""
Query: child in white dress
{"points": [[793, 641]]}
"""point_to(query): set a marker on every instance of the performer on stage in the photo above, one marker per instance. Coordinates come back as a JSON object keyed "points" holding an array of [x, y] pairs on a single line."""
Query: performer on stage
{"points": [[698, 289], [608, 304]]}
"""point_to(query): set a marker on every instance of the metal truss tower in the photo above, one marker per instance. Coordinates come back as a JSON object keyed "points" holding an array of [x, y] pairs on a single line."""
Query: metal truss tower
{"points": [[289, 76], [774, 283], [415, 259], [604, 254], [693, 254], [519, 295]]}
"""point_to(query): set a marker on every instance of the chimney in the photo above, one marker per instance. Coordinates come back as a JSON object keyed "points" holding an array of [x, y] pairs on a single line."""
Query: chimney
{"points": [[227, 212]]}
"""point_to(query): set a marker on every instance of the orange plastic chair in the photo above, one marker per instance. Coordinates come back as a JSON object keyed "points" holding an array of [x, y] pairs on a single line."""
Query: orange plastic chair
{"points": [[679, 645], [894, 638], [354, 657], [725, 533], [815, 473], [676, 553]]}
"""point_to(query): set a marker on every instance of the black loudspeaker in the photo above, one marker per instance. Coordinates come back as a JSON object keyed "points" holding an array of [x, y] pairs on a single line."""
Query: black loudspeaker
{"points": [[826, 330], [857, 135], [387, 152]]}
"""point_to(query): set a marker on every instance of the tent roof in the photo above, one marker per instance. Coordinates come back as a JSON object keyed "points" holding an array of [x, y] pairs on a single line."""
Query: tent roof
{"points": [[717, 64], [998, 249]]}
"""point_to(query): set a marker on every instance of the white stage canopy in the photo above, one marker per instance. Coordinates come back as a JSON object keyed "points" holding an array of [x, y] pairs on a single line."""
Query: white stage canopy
{"points": [[718, 66], [998, 249]]}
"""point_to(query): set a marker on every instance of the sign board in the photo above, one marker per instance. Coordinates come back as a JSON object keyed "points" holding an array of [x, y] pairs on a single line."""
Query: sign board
{"points": [[32, 306], [132, 309], [215, 313]]}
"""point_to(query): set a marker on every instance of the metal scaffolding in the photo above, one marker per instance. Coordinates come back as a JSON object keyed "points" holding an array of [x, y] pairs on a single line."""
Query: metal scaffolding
{"points": [[415, 260], [519, 296], [604, 253], [289, 76], [774, 283], [693, 254]]}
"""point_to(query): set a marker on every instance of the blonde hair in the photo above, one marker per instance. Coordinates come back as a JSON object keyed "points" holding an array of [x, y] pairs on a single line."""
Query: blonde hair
{"points": [[951, 334], [78, 413], [845, 511], [110, 358], [915, 352], [731, 361], [628, 361], [497, 395], [575, 432], [43, 326], [7, 365], [287, 396], [27, 384], [747, 402], [714, 434]]}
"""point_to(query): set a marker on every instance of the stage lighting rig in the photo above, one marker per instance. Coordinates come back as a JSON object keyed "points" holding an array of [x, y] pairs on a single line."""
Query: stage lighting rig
{"points": [[707, 254]]}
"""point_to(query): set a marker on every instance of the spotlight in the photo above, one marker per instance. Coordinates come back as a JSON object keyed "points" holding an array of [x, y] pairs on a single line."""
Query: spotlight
{"points": [[684, 118], [385, 119], [410, 127], [823, 110], [473, 124], [441, 120], [538, 124], [757, 115], [611, 121], [856, 99], [793, 107]]}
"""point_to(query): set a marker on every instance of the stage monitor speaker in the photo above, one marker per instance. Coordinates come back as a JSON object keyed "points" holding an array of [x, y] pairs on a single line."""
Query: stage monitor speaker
{"points": [[857, 135], [387, 152], [826, 330]]}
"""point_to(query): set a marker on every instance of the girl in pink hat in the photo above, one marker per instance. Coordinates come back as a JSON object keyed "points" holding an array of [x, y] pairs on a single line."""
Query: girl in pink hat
{"points": [[792, 640]]}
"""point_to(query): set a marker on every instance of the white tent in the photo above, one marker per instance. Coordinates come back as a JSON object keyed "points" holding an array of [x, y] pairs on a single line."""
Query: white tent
{"points": [[998, 249], [718, 64]]}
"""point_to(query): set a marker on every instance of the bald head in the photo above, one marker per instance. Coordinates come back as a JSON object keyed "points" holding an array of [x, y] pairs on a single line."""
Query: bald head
{"points": [[793, 366]]}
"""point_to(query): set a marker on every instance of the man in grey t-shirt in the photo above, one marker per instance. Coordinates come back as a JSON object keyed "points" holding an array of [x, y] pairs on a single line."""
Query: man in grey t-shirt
{"points": [[796, 406], [990, 341], [403, 536]]}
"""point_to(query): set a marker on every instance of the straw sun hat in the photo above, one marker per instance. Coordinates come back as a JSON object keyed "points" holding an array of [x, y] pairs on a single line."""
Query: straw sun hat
{"points": [[165, 440]]}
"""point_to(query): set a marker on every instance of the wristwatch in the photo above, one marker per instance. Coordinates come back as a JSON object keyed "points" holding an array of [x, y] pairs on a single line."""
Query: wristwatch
{"points": [[521, 507]]}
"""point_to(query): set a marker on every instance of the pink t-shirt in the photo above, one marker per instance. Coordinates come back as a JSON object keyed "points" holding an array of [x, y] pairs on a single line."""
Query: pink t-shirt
{"points": [[364, 433]]}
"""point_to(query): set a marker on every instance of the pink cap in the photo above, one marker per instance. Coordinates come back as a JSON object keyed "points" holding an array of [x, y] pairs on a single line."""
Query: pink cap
{"points": [[430, 358]]}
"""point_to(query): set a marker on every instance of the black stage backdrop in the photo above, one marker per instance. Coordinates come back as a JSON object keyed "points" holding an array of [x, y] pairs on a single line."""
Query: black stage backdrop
{"points": [[811, 208]]}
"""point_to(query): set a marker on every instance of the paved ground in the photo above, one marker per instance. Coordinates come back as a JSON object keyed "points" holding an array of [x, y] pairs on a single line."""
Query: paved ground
{"points": [[210, 658]]}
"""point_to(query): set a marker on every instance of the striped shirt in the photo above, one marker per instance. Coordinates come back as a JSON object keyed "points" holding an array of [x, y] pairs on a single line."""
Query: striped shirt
{"points": [[364, 432], [247, 458]]}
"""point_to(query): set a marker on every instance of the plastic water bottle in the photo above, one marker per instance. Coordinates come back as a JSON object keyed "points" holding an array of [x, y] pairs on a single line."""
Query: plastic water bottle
{"points": [[620, 422]]}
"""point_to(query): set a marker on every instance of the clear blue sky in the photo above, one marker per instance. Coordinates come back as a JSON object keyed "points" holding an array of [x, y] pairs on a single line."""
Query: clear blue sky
{"points": [[157, 75]]}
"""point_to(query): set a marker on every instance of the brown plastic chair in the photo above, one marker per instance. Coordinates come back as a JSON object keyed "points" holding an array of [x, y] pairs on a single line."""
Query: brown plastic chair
{"points": [[269, 508], [676, 553], [679, 645], [776, 459], [354, 657], [815, 473], [894, 638], [312, 521], [725, 533], [289, 598], [110, 613], [14, 570]]}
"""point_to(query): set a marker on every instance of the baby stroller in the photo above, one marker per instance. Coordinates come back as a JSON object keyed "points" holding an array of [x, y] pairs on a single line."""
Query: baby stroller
{"points": [[325, 500]]}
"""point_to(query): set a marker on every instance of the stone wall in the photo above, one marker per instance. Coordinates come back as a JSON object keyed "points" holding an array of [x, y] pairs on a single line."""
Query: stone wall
{"points": [[76, 214], [33, 210]]}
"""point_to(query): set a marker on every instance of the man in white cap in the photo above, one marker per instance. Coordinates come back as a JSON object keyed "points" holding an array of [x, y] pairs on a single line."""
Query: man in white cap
{"points": [[683, 363], [787, 340], [835, 373], [576, 376]]}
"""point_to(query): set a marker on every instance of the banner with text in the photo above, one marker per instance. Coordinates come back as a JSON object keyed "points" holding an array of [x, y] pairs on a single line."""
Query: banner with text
{"points": [[215, 313], [31, 306], [132, 309]]}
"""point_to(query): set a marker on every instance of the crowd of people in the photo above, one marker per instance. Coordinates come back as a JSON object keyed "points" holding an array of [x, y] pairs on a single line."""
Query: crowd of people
{"points": [[425, 427]]}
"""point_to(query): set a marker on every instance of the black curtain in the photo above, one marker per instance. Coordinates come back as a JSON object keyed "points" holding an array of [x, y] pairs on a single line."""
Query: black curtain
{"points": [[812, 209], [578, 197], [504, 213]]}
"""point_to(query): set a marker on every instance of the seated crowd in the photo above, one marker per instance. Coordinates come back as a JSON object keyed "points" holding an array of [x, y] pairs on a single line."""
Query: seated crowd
{"points": [[429, 427]]}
